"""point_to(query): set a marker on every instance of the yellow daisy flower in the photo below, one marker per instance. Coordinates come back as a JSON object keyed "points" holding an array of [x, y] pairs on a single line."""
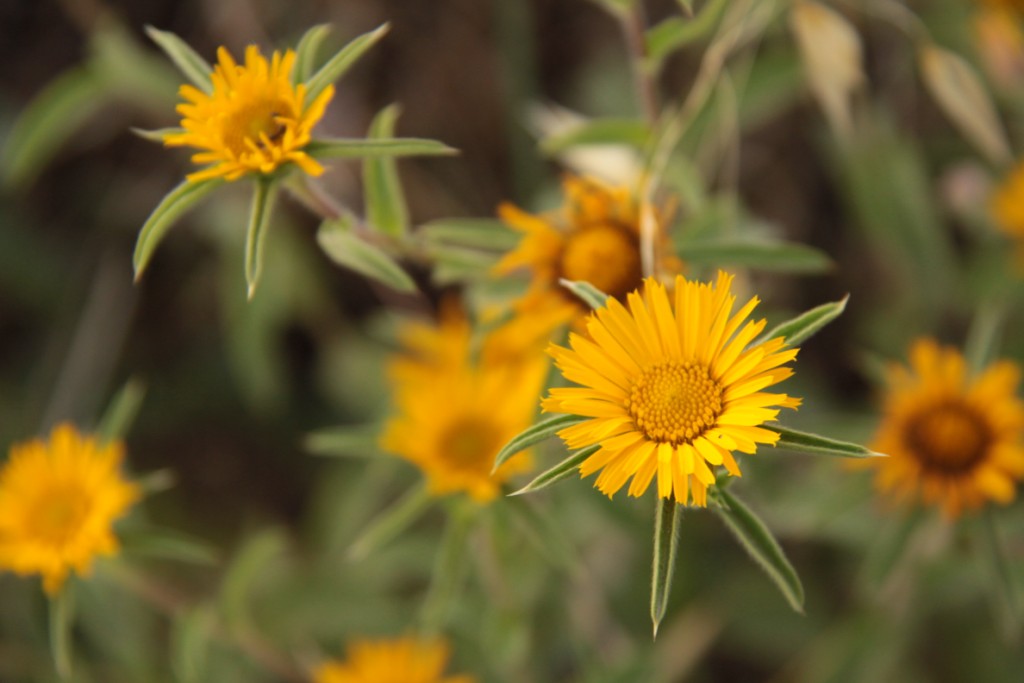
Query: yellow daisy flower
{"points": [[671, 387], [254, 121], [406, 660], [952, 439], [58, 502], [595, 238], [457, 403]]}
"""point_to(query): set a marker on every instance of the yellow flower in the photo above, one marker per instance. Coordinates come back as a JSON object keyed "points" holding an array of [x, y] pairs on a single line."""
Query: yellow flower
{"points": [[1007, 203], [457, 403], [58, 502], [254, 121], [595, 237], [396, 661], [671, 388], [951, 439]]}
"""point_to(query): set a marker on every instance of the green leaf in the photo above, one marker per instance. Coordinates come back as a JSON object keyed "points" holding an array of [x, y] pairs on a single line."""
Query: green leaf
{"points": [[459, 264], [541, 431], [62, 610], [385, 201], [391, 522], [797, 330], [49, 120], [790, 257], [449, 567], [758, 541], [676, 32], [190, 643], [475, 233], [544, 532], [359, 148], [256, 234], [337, 65], [245, 570], [591, 295], [191, 65], [1004, 593], [984, 333], [563, 470], [121, 412], [156, 135], [359, 441], [889, 547], [167, 544], [173, 206], [631, 132], [666, 537], [347, 249], [802, 442], [305, 53]]}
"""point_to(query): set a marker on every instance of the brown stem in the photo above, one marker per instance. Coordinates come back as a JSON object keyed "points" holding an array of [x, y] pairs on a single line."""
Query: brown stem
{"points": [[634, 26]]}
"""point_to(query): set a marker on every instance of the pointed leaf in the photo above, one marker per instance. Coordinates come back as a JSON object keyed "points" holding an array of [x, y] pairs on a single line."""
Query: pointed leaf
{"points": [[391, 522], [542, 430], [256, 234], [347, 249], [121, 412], [337, 65], [248, 566], [359, 441], [190, 643], [476, 233], [167, 544], [676, 32], [803, 442], [358, 148], [563, 470], [305, 53], [790, 257], [591, 295], [631, 132], [758, 541], [799, 329], [156, 135], [385, 201], [188, 61], [666, 537], [173, 206]]}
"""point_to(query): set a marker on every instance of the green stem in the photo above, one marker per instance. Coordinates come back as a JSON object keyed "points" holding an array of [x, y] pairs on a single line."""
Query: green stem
{"points": [[61, 615]]}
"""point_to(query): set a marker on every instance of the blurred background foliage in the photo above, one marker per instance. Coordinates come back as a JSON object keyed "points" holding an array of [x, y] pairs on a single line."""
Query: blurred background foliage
{"points": [[897, 202]]}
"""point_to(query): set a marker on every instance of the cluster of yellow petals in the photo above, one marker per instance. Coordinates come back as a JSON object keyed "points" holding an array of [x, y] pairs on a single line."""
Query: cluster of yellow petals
{"points": [[459, 398], [406, 660], [952, 440], [254, 121], [58, 502], [672, 385]]}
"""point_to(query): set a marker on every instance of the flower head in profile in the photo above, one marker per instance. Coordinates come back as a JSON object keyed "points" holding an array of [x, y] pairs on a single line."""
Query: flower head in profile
{"points": [[58, 502], [671, 386], [254, 121], [953, 440], [405, 660], [595, 237], [459, 399]]}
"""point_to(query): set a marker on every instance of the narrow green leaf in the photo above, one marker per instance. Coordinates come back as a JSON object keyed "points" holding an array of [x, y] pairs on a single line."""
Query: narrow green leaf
{"points": [[190, 644], [789, 257], [121, 412], [249, 564], [563, 470], [631, 132], [459, 264], [385, 201], [170, 208], [984, 334], [543, 532], [359, 148], [157, 135], [666, 538], [803, 442], [475, 233], [346, 249], [541, 431], [591, 295], [1004, 593], [758, 541], [61, 615], [167, 544], [449, 568], [306, 52], [677, 32], [256, 234], [337, 65], [391, 522], [358, 441], [889, 547], [191, 65], [807, 324], [49, 120]]}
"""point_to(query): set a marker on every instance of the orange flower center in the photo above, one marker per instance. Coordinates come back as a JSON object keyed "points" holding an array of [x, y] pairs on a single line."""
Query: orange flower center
{"points": [[256, 125], [471, 443], [605, 255], [675, 401], [950, 438], [57, 516]]}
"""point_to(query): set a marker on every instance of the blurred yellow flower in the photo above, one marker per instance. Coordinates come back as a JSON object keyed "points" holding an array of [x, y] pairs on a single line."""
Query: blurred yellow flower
{"points": [[594, 237], [254, 121], [1000, 43], [951, 439], [1007, 204], [58, 502], [405, 660], [671, 388], [458, 402]]}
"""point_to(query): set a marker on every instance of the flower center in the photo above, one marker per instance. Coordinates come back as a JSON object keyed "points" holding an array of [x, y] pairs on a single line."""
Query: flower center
{"points": [[951, 438], [257, 124], [675, 401], [605, 255], [58, 515], [471, 443]]}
